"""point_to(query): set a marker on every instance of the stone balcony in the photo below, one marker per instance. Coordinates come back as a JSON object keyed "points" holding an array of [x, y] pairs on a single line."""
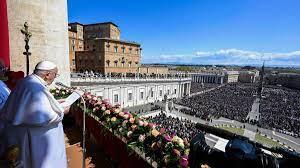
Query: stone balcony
{"points": [[127, 79]]}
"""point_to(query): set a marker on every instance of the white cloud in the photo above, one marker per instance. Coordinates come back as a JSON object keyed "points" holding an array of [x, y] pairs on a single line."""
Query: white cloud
{"points": [[229, 56]]}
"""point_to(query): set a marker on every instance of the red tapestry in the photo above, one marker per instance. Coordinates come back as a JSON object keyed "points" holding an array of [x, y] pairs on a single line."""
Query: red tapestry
{"points": [[4, 40]]}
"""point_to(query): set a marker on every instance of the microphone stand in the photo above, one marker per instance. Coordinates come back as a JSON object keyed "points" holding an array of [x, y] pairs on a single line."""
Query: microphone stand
{"points": [[83, 131]]}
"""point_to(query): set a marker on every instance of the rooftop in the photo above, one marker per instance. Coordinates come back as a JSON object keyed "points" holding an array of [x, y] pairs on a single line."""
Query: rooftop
{"points": [[100, 23], [116, 40]]}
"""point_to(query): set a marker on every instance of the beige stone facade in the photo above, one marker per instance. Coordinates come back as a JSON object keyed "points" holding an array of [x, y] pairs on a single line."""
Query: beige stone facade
{"points": [[101, 30], [47, 22], [154, 70], [104, 52], [76, 43], [231, 76]]}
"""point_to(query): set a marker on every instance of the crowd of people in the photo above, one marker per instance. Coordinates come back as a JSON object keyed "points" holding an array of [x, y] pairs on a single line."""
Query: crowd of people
{"points": [[233, 101], [198, 87], [280, 109], [175, 126], [92, 74]]}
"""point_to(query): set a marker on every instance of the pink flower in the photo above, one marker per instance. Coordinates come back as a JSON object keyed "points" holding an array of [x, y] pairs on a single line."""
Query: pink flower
{"points": [[168, 138], [95, 98], [141, 123], [98, 103], [162, 130], [121, 114], [145, 123], [116, 111], [131, 120], [151, 125], [184, 161], [142, 138], [133, 127]]}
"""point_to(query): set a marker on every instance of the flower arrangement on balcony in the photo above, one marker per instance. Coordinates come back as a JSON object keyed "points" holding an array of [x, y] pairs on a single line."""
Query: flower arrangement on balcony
{"points": [[166, 150], [60, 93]]}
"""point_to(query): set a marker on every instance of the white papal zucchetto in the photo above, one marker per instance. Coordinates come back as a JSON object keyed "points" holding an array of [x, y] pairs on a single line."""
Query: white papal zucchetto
{"points": [[45, 65]]}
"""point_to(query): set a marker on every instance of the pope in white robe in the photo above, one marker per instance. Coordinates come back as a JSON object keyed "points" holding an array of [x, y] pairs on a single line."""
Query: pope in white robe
{"points": [[33, 120]]}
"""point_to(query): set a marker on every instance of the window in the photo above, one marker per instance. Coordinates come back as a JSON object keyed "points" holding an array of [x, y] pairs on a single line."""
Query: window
{"points": [[73, 48], [116, 48], [123, 49], [175, 91], [129, 96], [73, 62], [168, 92], [116, 98], [160, 93], [142, 95], [73, 42], [137, 51], [152, 93]]}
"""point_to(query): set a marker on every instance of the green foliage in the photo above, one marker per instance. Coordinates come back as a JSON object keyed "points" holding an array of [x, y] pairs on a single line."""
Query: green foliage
{"points": [[184, 68]]}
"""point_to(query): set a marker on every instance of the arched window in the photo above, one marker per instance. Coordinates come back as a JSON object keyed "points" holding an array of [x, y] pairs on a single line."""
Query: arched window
{"points": [[107, 62], [129, 63]]}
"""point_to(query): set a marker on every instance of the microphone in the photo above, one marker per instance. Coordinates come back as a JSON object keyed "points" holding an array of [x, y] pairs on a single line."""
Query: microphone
{"points": [[78, 91], [63, 85]]}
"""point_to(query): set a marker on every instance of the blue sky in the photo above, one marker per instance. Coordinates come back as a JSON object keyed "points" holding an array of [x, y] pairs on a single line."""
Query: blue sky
{"points": [[202, 31]]}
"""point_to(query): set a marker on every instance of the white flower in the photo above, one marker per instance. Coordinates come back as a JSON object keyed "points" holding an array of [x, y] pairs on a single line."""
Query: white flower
{"points": [[124, 123], [116, 111], [107, 112], [121, 114], [126, 116], [113, 119], [129, 133], [142, 138]]}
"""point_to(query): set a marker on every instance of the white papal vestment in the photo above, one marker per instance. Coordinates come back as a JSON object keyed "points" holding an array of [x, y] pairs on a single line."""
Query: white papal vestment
{"points": [[32, 119]]}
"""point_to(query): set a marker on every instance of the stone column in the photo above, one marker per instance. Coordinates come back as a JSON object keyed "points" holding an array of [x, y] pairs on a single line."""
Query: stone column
{"points": [[167, 106], [48, 23]]}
